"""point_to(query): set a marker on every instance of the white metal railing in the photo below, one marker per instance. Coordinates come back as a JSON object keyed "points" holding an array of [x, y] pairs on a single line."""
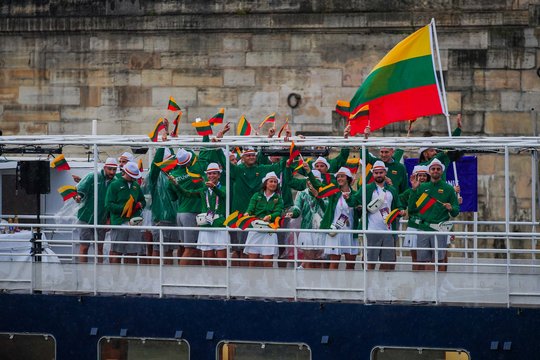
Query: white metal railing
{"points": [[475, 274]]}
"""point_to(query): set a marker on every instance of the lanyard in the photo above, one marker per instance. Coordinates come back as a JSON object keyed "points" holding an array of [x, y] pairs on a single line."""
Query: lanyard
{"points": [[208, 200]]}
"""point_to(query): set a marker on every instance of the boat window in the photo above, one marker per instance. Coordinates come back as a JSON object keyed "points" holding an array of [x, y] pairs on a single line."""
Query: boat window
{"points": [[113, 348], [393, 353], [228, 350], [15, 346]]}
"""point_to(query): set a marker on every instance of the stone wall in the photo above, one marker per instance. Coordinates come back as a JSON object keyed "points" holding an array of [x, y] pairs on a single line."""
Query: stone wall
{"points": [[64, 63]]}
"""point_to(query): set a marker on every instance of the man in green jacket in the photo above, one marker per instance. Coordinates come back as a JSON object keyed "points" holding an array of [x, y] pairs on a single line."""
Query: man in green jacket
{"points": [[434, 202], [125, 201], [85, 215]]}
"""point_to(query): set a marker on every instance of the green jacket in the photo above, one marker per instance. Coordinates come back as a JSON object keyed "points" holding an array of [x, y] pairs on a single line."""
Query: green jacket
{"points": [[307, 205], [85, 189], [396, 172], [118, 194], [247, 181], [163, 207], [355, 200], [404, 199], [260, 207], [217, 192], [437, 213]]}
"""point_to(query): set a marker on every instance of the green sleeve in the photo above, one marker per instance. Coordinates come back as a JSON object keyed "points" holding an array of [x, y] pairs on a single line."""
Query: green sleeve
{"points": [[456, 132], [252, 204], [111, 201], [296, 209], [154, 169], [294, 183], [398, 154], [455, 205], [339, 161], [86, 185]]}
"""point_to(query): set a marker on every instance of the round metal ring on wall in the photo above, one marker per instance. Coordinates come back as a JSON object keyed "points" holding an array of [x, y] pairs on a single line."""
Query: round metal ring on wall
{"points": [[293, 100]]}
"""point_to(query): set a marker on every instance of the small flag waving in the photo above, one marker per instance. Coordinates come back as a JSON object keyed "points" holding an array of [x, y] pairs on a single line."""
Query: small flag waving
{"points": [[173, 106], [128, 207], [176, 124], [425, 202], [244, 127], [203, 128], [68, 191], [342, 108], [59, 163], [293, 153], [403, 85], [359, 120], [218, 118], [161, 124], [328, 190], [167, 165], [283, 127], [269, 119]]}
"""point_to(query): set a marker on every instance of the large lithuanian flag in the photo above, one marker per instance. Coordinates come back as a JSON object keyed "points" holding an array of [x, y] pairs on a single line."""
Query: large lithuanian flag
{"points": [[402, 86]]}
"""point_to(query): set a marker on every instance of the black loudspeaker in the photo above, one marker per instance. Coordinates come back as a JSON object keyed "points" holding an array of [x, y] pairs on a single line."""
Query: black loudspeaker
{"points": [[35, 177]]}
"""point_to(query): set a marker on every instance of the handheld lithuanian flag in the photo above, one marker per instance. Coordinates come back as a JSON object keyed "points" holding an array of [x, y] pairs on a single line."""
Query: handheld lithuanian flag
{"points": [[167, 165], [425, 202], [342, 108], [244, 127], [392, 216], [195, 178], [67, 191], [176, 124], [327, 191], [218, 118], [203, 127], [245, 221], [269, 119], [59, 163], [128, 207], [231, 220], [173, 106], [283, 127], [403, 85], [161, 124]]}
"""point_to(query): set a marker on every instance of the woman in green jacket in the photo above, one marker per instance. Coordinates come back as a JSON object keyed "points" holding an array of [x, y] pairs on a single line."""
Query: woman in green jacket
{"points": [[266, 205]]}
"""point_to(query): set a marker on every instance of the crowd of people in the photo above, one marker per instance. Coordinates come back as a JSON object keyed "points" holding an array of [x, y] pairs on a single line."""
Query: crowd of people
{"points": [[186, 188]]}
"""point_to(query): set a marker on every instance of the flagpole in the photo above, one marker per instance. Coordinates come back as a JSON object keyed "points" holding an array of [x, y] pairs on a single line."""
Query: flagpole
{"points": [[433, 33]]}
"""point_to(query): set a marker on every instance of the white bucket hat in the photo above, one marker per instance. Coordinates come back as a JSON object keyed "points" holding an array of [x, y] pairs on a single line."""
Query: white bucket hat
{"points": [[213, 167], [132, 170], [111, 162], [379, 165], [345, 171], [270, 175], [436, 162], [183, 157], [320, 159], [127, 156]]}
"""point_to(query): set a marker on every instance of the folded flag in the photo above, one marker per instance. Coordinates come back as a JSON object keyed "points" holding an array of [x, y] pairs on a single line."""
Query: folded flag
{"points": [[342, 108], [67, 191], [245, 221], [278, 223], [327, 191], [390, 218], [161, 124], [244, 127], [269, 119], [173, 106], [425, 202], [59, 163], [128, 208], [232, 219], [176, 124], [218, 118], [203, 128], [167, 165]]}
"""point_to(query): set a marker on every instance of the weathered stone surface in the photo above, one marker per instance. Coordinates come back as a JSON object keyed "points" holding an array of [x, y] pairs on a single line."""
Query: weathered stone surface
{"points": [[32, 95], [270, 42], [156, 77], [116, 42], [248, 99], [330, 95], [471, 40], [33, 116], [90, 96], [519, 101], [8, 95], [110, 97], [232, 77], [175, 61], [228, 60], [235, 44], [481, 100], [264, 58], [508, 123], [217, 97], [516, 58], [530, 81], [35, 128], [454, 101], [186, 96], [197, 77], [134, 96], [156, 43], [496, 79]]}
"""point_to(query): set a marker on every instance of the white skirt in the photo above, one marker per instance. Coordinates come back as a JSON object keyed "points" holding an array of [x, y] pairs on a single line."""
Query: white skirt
{"points": [[256, 239], [350, 246], [410, 239], [212, 240], [311, 241]]}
